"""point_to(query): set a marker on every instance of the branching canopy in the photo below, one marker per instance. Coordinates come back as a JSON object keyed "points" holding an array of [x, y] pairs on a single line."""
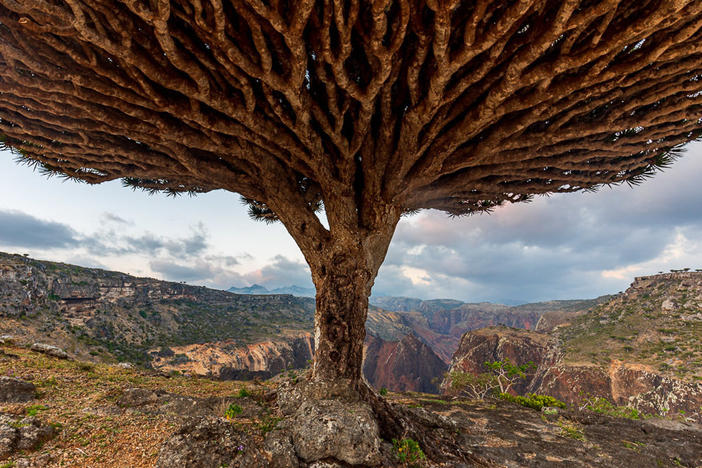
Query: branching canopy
{"points": [[446, 104]]}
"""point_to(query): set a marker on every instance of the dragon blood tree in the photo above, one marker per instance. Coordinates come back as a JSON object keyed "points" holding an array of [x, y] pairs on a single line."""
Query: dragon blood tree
{"points": [[369, 109]]}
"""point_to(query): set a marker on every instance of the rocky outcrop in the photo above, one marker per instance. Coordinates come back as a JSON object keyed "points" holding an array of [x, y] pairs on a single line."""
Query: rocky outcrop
{"points": [[15, 390], [21, 434], [230, 360], [624, 384], [51, 350], [405, 365], [500, 343]]}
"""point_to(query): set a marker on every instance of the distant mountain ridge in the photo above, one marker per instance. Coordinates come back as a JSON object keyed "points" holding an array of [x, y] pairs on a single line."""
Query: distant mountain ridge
{"points": [[257, 289]]}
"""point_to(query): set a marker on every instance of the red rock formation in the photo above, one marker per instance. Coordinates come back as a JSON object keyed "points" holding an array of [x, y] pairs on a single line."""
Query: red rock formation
{"points": [[405, 365], [625, 384], [499, 343]]}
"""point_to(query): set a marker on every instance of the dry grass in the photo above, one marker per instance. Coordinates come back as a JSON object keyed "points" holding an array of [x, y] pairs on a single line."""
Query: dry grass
{"points": [[81, 397]]}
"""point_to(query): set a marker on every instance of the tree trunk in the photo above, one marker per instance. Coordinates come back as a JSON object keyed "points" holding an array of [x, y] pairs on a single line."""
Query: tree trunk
{"points": [[340, 318]]}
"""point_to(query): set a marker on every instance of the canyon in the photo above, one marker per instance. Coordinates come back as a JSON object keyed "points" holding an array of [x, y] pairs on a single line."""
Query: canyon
{"points": [[641, 349], [173, 327]]}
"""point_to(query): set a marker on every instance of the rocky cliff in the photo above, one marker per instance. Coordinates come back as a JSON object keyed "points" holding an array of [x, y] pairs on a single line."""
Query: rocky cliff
{"points": [[233, 361], [441, 323], [405, 365], [640, 349], [97, 314]]}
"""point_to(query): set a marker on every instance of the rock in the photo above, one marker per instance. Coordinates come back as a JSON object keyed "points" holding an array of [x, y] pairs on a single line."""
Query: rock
{"points": [[278, 446], [7, 339], [51, 350], [37, 462], [8, 436], [205, 443], [15, 390], [25, 434], [133, 397], [125, 365], [345, 431], [32, 433], [668, 305]]}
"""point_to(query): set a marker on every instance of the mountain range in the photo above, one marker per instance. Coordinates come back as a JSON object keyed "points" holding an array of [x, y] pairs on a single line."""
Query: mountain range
{"points": [[257, 289]]}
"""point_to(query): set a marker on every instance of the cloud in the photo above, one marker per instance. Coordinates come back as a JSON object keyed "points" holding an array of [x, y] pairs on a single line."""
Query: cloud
{"points": [[280, 273], [174, 271], [19, 229], [113, 218], [563, 246], [111, 242]]}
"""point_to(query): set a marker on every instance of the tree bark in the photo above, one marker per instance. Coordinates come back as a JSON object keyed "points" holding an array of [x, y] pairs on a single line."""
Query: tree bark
{"points": [[340, 317]]}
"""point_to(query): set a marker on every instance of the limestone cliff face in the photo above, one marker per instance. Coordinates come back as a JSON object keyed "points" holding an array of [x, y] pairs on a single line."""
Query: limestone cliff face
{"points": [[405, 365], [231, 360], [103, 315]]}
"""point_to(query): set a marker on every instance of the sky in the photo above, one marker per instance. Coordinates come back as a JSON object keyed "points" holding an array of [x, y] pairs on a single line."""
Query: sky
{"points": [[564, 246]]}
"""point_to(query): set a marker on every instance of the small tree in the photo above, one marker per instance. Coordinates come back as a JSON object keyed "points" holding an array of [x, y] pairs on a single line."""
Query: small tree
{"points": [[507, 373], [500, 375]]}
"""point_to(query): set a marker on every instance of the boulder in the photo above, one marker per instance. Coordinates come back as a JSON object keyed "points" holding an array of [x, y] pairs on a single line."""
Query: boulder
{"points": [[25, 434], [209, 442], [15, 390], [51, 350], [279, 450], [133, 397], [340, 430], [7, 339]]}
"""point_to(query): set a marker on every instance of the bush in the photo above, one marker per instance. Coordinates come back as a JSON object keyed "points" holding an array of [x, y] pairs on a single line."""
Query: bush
{"points": [[244, 392], [408, 451], [604, 406], [233, 411], [534, 401], [383, 391]]}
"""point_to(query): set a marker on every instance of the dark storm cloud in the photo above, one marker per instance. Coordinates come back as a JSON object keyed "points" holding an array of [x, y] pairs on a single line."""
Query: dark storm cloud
{"points": [[22, 230]]}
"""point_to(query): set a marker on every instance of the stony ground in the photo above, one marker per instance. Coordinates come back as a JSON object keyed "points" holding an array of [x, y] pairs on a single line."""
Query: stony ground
{"points": [[107, 416]]}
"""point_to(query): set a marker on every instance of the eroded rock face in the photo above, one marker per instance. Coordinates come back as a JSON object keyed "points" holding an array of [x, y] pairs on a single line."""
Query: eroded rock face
{"points": [[405, 365], [500, 343], [625, 384], [15, 390], [231, 360]]}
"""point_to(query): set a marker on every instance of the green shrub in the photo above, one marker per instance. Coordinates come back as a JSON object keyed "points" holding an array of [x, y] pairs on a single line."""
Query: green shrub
{"points": [[33, 410], [408, 451], [268, 423], [243, 393], [233, 411], [604, 406], [383, 391], [534, 401]]}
